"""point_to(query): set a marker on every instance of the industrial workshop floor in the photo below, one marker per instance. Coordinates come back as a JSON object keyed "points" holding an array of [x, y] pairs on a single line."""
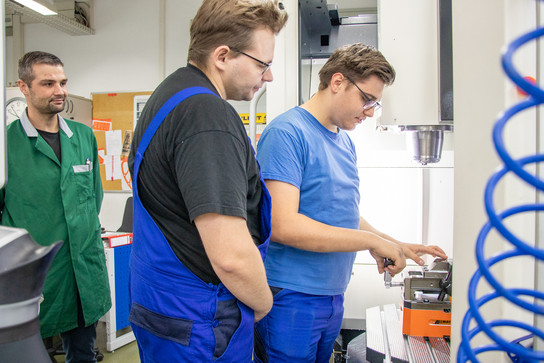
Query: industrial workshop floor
{"points": [[125, 354]]}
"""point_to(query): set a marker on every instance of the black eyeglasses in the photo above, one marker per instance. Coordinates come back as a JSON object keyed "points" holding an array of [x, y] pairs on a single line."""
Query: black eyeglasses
{"points": [[370, 103], [266, 65]]}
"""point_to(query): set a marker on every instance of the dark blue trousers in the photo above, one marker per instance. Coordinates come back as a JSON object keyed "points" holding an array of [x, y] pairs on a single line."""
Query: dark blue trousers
{"points": [[78, 344]]}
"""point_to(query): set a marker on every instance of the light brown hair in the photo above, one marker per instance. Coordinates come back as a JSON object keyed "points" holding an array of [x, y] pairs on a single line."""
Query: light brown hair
{"points": [[231, 22], [357, 62]]}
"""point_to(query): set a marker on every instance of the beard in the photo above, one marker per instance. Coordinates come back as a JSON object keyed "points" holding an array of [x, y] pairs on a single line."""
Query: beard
{"points": [[50, 108], [54, 108], [47, 106]]}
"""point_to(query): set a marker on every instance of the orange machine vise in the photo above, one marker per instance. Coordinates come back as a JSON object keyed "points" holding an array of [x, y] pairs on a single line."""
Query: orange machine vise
{"points": [[426, 299]]}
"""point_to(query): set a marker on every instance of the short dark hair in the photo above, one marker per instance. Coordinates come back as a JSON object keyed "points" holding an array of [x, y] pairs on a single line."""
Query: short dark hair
{"points": [[357, 61], [36, 57], [230, 22]]}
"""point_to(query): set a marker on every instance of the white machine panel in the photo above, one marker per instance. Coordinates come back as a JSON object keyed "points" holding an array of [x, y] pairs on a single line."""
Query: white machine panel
{"points": [[408, 38]]}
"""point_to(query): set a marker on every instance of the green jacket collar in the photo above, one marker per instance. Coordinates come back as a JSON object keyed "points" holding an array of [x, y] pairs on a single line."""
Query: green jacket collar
{"points": [[31, 131]]}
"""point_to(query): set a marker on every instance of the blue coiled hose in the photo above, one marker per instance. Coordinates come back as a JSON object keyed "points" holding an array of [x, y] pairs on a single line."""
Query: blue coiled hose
{"points": [[522, 354]]}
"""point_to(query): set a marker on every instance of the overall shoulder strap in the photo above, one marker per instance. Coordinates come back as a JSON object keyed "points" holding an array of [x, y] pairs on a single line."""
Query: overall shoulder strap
{"points": [[158, 119]]}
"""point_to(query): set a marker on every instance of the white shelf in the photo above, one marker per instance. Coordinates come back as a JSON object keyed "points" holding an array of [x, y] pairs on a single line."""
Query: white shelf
{"points": [[59, 21]]}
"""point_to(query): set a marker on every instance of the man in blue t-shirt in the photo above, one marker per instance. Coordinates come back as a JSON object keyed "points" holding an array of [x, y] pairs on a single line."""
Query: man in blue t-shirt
{"points": [[310, 167]]}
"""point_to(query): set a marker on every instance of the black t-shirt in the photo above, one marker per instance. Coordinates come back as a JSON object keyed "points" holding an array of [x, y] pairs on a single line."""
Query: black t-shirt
{"points": [[53, 139], [199, 161]]}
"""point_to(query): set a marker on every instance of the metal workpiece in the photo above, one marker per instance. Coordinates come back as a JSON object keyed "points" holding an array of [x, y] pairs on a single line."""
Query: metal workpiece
{"points": [[422, 283], [418, 288], [388, 281], [418, 283]]}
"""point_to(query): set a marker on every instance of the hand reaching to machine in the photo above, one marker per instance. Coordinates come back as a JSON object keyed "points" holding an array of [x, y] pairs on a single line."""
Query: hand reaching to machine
{"points": [[414, 251], [391, 257], [392, 252]]}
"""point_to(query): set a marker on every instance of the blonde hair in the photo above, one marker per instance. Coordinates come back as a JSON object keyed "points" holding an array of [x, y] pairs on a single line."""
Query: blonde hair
{"points": [[357, 62], [231, 22]]}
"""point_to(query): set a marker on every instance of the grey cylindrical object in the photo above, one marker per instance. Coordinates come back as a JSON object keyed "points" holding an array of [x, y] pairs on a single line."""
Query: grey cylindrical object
{"points": [[427, 146], [426, 141], [27, 350], [23, 268]]}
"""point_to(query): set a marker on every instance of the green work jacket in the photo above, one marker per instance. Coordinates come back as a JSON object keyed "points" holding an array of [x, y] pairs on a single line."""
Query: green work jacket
{"points": [[57, 201]]}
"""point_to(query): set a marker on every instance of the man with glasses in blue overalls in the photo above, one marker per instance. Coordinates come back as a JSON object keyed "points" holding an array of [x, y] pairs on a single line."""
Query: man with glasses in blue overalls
{"points": [[201, 209]]}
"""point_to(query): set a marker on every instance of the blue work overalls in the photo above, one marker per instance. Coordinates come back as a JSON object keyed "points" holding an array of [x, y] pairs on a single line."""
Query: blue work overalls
{"points": [[173, 312]]}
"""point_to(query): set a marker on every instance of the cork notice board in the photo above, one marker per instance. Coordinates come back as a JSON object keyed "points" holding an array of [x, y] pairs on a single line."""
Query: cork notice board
{"points": [[114, 115]]}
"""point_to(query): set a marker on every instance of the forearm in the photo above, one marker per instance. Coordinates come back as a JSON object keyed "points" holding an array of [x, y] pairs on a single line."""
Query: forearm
{"points": [[236, 260], [245, 278], [305, 233], [308, 234]]}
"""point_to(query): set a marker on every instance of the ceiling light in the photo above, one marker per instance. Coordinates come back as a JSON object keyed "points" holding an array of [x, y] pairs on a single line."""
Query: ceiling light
{"points": [[31, 4]]}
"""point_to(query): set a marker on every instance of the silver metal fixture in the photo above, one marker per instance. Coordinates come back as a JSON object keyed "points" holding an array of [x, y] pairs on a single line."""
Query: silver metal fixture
{"points": [[426, 141]]}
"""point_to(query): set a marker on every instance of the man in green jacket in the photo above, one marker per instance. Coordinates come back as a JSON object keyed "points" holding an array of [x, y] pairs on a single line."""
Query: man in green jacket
{"points": [[54, 192]]}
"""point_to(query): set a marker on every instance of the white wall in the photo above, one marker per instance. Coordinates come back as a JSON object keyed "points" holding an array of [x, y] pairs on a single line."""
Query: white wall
{"points": [[126, 51], [135, 45]]}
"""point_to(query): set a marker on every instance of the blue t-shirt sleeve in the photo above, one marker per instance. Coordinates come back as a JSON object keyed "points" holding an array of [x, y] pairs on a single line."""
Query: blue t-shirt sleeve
{"points": [[281, 156]]}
